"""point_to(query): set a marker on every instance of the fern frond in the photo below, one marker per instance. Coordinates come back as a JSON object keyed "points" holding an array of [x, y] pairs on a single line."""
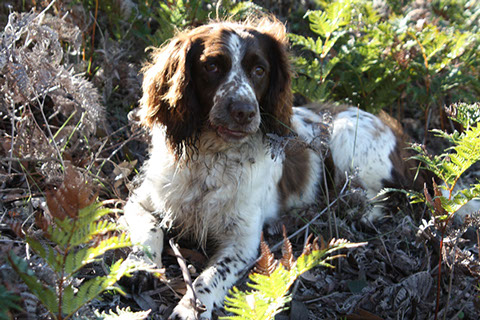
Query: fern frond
{"points": [[266, 263], [288, 260], [465, 114], [49, 254], [460, 157], [326, 22], [120, 314], [451, 165], [77, 236], [8, 301], [307, 43], [44, 293], [91, 288], [76, 260], [269, 293]]}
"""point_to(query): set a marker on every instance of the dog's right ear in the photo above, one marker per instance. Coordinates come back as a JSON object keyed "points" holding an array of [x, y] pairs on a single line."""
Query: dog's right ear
{"points": [[168, 95]]}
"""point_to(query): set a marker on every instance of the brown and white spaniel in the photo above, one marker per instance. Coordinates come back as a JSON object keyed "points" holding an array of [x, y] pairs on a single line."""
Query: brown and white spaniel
{"points": [[229, 152]]}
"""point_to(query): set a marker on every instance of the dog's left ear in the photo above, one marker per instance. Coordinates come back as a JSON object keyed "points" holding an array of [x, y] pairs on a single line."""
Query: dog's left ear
{"points": [[277, 103]]}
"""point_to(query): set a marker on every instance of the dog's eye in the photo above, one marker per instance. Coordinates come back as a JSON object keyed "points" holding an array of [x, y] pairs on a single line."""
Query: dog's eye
{"points": [[211, 67], [259, 71]]}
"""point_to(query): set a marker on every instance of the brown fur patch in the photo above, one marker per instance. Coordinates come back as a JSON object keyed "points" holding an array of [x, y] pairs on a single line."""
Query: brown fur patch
{"points": [[406, 172], [276, 105], [295, 170]]}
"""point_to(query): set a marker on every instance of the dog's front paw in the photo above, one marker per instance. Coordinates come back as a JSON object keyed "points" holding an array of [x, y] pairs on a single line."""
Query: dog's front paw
{"points": [[185, 311]]}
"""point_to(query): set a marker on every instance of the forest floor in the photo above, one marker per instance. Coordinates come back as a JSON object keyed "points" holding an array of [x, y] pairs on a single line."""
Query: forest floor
{"points": [[396, 275]]}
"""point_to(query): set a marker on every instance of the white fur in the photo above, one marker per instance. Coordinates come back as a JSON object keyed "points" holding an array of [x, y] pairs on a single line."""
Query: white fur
{"points": [[360, 141], [226, 193], [236, 83]]}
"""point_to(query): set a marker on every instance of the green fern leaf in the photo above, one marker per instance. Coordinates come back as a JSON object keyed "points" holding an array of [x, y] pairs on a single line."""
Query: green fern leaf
{"points": [[88, 232], [84, 256], [69, 305], [122, 314], [43, 292], [307, 43], [8, 301], [46, 252], [91, 288]]}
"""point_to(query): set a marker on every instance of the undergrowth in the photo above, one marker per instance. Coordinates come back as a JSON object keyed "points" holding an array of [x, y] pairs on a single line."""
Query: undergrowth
{"points": [[76, 234], [449, 195], [271, 279], [8, 301], [60, 70], [375, 58]]}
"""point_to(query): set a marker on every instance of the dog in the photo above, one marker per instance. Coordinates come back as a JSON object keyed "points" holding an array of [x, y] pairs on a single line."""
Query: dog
{"points": [[229, 153]]}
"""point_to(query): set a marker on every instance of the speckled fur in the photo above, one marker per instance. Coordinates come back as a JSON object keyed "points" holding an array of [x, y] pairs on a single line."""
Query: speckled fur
{"points": [[208, 183]]}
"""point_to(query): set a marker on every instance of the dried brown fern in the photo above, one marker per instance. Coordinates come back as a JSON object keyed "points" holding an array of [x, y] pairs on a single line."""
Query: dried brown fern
{"points": [[48, 112], [287, 260], [74, 194], [266, 264]]}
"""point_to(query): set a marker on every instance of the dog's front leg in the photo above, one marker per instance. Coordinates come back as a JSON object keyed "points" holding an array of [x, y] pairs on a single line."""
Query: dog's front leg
{"points": [[224, 270], [144, 230]]}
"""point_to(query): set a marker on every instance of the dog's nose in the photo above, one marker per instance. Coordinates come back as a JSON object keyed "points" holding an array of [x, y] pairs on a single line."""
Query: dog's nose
{"points": [[242, 112]]}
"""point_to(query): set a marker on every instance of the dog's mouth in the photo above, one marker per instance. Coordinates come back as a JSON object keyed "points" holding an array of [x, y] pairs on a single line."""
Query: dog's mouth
{"points": [[231, 135]]}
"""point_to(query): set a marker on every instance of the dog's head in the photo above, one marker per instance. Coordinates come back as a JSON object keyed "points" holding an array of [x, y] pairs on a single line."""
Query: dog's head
{"points": [[226, 77]]}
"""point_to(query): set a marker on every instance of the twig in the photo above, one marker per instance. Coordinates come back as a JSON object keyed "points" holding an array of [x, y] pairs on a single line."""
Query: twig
{"points": [[386, 252], [45, 10], [439, 274], [93, 39], [2, 217], [478, 243], [450, 282], [12, 135], [47, 125], [327, 196], [186, 277], [458, 297], [457, 315], [29, 159], [104, 143], [297, 283], [427, 123], [116, 150]]}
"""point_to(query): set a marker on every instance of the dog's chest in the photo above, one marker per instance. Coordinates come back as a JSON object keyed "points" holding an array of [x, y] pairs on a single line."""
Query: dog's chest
{"points": [[216, 193]]}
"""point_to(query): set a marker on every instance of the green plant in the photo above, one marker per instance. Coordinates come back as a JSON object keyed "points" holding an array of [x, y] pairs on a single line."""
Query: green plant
{"points": [[173, 15], [451, 165], [271, 280], [449, 168], [8, 301], [120, 314], [170, 16], [77, 236], [376, 62]]}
